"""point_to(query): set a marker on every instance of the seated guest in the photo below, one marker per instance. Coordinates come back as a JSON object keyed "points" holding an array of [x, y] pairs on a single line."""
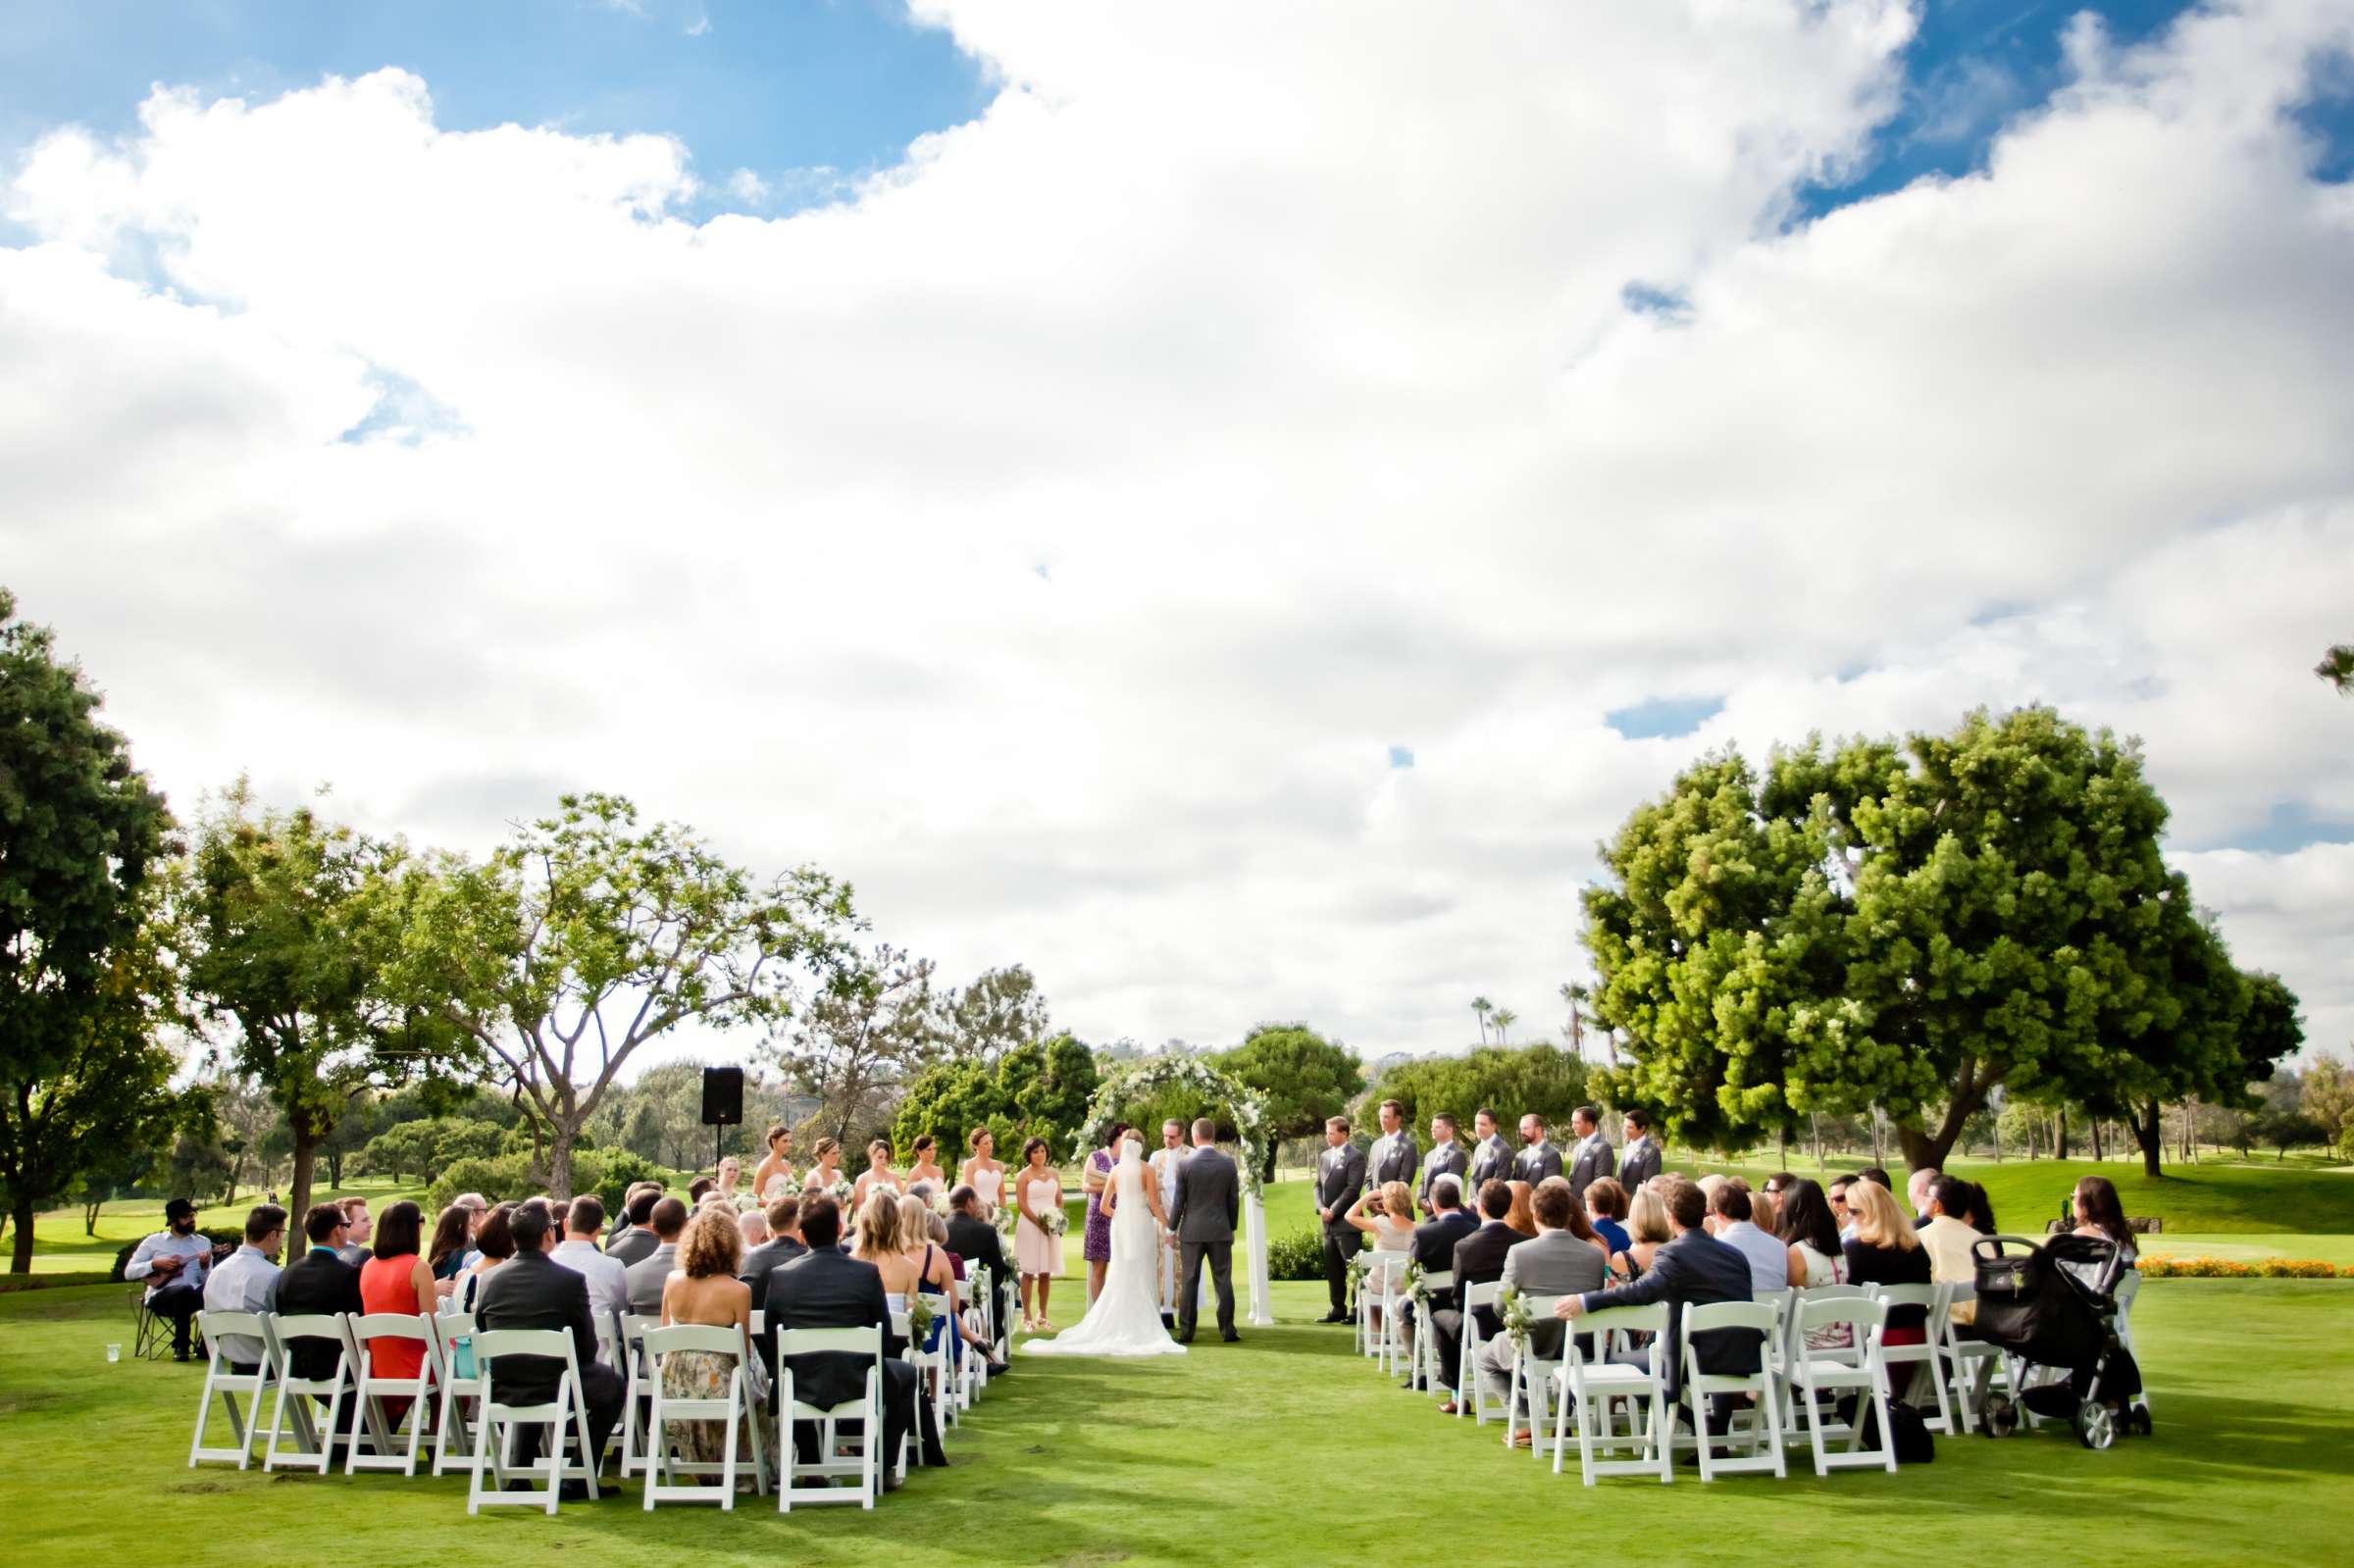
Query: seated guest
{"points": [[445, 1254], [1763, 1212], [1886, 1250], [1605, 1203], [1521, 1216], [396, 1281], [636, 1241], [1836, 1195], [667, 1218], [1648, 1229], [976, 1241], [1730, 1221], [824, 1288], [1817, 1257], [701, 1188], [783, 1244], [242, 1280], [532, 1290], [1434, 1240], [1980, 1216], [477, 1210], [321, 1283], [359, 1232], [494, 1244], [1478, 1260], [752, 1225], [1693, 1268], [705, 1289], [174, 1262], [1387, 1216], [1555, 1262], [1947, 1238], [608, 1277], [924, 1241]]}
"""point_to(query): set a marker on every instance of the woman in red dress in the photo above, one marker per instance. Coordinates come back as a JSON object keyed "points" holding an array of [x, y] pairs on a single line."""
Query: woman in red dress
{"points": [[398, 1281]]}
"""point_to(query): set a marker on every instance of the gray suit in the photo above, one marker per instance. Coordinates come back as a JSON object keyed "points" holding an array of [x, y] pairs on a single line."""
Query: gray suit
{"points": [[1638, 1163], [1491, 1161], [1552, 1263], [645, 1277], [632, 1245], [1393, 1157], [1339, 1177], [1208, 1203], [1446, 1159], [1536, 1162], [1591, 1162]]}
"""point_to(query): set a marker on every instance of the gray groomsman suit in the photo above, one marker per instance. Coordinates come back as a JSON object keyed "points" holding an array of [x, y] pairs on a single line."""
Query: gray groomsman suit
{"points": [[1491, 1161], [645, 1277], [1339, 1177], [1590, 1162], [1208, 1203], [1638, 1163], [1392, 1158], [1536, 1162], [1446, 1159]]}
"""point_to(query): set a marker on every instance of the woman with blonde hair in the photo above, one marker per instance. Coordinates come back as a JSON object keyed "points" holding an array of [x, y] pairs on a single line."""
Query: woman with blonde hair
{"points": [[1885, 1251], [1387, 1214], [875, 1235], [923, 1238], [1647, 1231], [702, 1288]]}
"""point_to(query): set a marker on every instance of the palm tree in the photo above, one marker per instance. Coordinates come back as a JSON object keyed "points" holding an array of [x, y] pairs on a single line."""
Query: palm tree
{"points": [[2338, 668], [1506, 1018], [1577, 995], [1483, 1007]]}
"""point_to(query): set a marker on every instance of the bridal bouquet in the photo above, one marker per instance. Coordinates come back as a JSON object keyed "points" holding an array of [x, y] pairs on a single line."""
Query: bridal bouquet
{"points": [[939, 1203], [1057, 1222], [781, 1185], [839, 1190]]}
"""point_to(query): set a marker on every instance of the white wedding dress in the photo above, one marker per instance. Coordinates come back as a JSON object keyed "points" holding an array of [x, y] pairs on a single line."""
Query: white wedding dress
{"points": [[1125, 1320]]}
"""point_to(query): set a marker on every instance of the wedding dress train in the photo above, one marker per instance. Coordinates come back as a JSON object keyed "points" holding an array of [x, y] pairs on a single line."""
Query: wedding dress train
{"points": [[1125, 1320]]}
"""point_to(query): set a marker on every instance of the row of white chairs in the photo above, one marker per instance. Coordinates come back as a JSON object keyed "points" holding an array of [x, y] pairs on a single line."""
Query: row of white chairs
{"points": [[449, 1397]]}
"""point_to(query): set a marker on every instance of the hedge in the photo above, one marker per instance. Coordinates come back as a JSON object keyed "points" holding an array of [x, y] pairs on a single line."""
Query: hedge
{"points": [[2227, 1269]]}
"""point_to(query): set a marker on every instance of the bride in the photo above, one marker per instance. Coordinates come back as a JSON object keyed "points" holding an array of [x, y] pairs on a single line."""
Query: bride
{"points": [[1126, 1317]]}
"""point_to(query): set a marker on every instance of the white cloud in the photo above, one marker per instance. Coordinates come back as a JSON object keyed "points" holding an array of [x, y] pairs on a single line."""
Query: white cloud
{"points": [[1304, 368], [748, 187]]}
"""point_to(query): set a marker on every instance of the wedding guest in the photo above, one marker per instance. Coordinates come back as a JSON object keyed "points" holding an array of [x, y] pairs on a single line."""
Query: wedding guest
{"points": [[925, 1166], [1589, 1159], [1693, 1268], [1096, 1244], [635, 1240], [924, 1243], [319, 1284], [1648, 1229], [1916, 1192], [1886, 1250], [445, 1254], [1555, 1262], [984, 1172], [1521, 1216], [784, 1216], [705, 1289], [753, 1223], [243, 1281], [1386, 1215], [645, 1278], [359, 1232], [1769, 1259], [172, 1262], [532, 1290], [1761, 1212], [824, 1288], [701, 1188], [1538, 1158], [398, 1281], [1339, 1177], [1434, 1240], [2096, 1211], [1947, 1238], [778, 1162], [1875, 1174], [973, 1239], [826, 1173], [1817, 1257], [1605, 1201], [1037, 1251], [608, 1277], [494, 1246], [477, 1209], [1981, 1214], [1639, 1156], [1392, 1156], [1836, 1196], [1491, 1155], [1478, 1260], [1447, 1157]]}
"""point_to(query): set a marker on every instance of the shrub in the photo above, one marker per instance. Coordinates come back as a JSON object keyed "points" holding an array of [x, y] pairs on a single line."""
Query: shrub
{"points": [[1298, 1256], [2227, 1269], [509, 1175]]}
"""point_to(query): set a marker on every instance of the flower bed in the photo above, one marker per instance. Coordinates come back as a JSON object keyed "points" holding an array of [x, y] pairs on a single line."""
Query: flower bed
{"points": [[2227, 1269]]}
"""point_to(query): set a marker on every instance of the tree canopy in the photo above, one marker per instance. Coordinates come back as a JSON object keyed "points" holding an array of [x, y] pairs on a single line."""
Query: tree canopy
{"points": [[1300, 1078], [1510, 1079]]}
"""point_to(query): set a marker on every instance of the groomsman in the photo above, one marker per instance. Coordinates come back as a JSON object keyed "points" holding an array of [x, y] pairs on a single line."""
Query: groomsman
{"points": [[1339, 1177], [1392, 1156], [1639, 1162], [1590, 1161], [1447, 1158], [1538, 1159], [1490, 1156]]}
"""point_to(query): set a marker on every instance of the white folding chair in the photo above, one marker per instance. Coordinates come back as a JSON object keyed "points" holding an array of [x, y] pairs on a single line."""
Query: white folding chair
{"points": [[312, 1448], [1922, 1360], [633, 1374], [1856, 1371], [221, 1378], [1765, 1426], [566, 1418], [1534, 1376], [1591, 1383], [661, 1459], [375, 1430], [1792, 1345], [453, 1438], [1423, 1367], [1378, 1274], [1468, 1388], [866, 1410], [935, 1367]]}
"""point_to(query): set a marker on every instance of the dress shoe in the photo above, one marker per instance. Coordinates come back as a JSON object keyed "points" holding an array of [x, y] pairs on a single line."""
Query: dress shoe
{"points": [[1185, 1338], [1335, 1317], [1450, 1408], [1231, 1338], [998, 1369]]}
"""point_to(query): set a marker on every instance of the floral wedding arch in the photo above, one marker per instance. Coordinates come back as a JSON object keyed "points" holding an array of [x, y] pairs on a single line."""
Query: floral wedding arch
{"points": [[1221, 1097]]}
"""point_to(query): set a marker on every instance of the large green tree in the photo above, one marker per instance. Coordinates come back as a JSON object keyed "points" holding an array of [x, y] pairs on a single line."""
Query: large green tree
{"points": [[1001, 1010], [1041, 1087], [868, 1031], [1302, 1077], [84, 978], [586, 936]]}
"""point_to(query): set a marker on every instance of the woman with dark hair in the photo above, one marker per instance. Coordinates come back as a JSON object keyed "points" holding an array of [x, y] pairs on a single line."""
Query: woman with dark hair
{"points": [[1093, 1177], [1522, 1216], [1605, 1201], [925, 1166], [983, 1172], [1817, 1257], [447, 1257], [1037, 1251], [494, 1244], [1981, 1214], [877, 1177], [2098, 1212], [396, 1282]]}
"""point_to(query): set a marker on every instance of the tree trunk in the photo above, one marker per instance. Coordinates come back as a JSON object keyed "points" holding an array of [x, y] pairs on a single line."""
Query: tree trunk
{"points": [[1781, 1149], [2148, 1135], [2096, 1141], [1266, 1164], [1814, 1131], [90, 1216], [559, 1161], [21, 1211], [335, 1169], [299, 1190]]}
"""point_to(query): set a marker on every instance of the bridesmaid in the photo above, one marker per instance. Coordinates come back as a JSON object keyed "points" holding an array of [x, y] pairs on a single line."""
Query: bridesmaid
{"points": [[828, 1169], [983, 1172], [1092, 1179], [779, 1162], [877, 1174], [1037, 1254], [927, 1165]]}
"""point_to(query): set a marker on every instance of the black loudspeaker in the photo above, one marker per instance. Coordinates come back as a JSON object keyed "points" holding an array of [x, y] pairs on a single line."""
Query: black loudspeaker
{"points": [[723, 1097]]}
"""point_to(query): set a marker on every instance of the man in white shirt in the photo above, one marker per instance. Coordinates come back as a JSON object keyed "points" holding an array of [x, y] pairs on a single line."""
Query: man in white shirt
{"points": [[1729, 1221], [247, 1281], [1950, 1240], [608, 1277], [1590, 1160], [1166, 1162], [174, 1262]]}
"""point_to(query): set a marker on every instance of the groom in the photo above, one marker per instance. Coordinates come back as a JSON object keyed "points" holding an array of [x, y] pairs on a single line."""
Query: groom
{"points": [[1209, 1200]]}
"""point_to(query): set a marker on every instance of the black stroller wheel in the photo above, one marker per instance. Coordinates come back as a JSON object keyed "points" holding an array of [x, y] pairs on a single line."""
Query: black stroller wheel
{"points": [[2095, 1424]]}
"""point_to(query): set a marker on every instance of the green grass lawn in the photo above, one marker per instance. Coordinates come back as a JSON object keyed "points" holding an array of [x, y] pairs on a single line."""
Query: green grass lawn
{"points": [[1274, 1451]]}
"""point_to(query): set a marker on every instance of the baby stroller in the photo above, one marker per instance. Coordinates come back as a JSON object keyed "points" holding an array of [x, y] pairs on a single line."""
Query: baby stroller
{"points": [[2054, 1307]]}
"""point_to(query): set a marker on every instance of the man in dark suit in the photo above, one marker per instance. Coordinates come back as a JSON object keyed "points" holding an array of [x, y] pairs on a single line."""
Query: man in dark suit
{"points": [[321, 1282], [1208, 1207], [533, 1290], [784, 1216], [1693, 1268], [635, 1240], [1491, 1155], [1435, 1239], [1639, 1161], [827, 1288], [1478, 1260], [976, 1241], [1447, 1157], [1340, 1178], [1392, 1156], [1538, 1158]]}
